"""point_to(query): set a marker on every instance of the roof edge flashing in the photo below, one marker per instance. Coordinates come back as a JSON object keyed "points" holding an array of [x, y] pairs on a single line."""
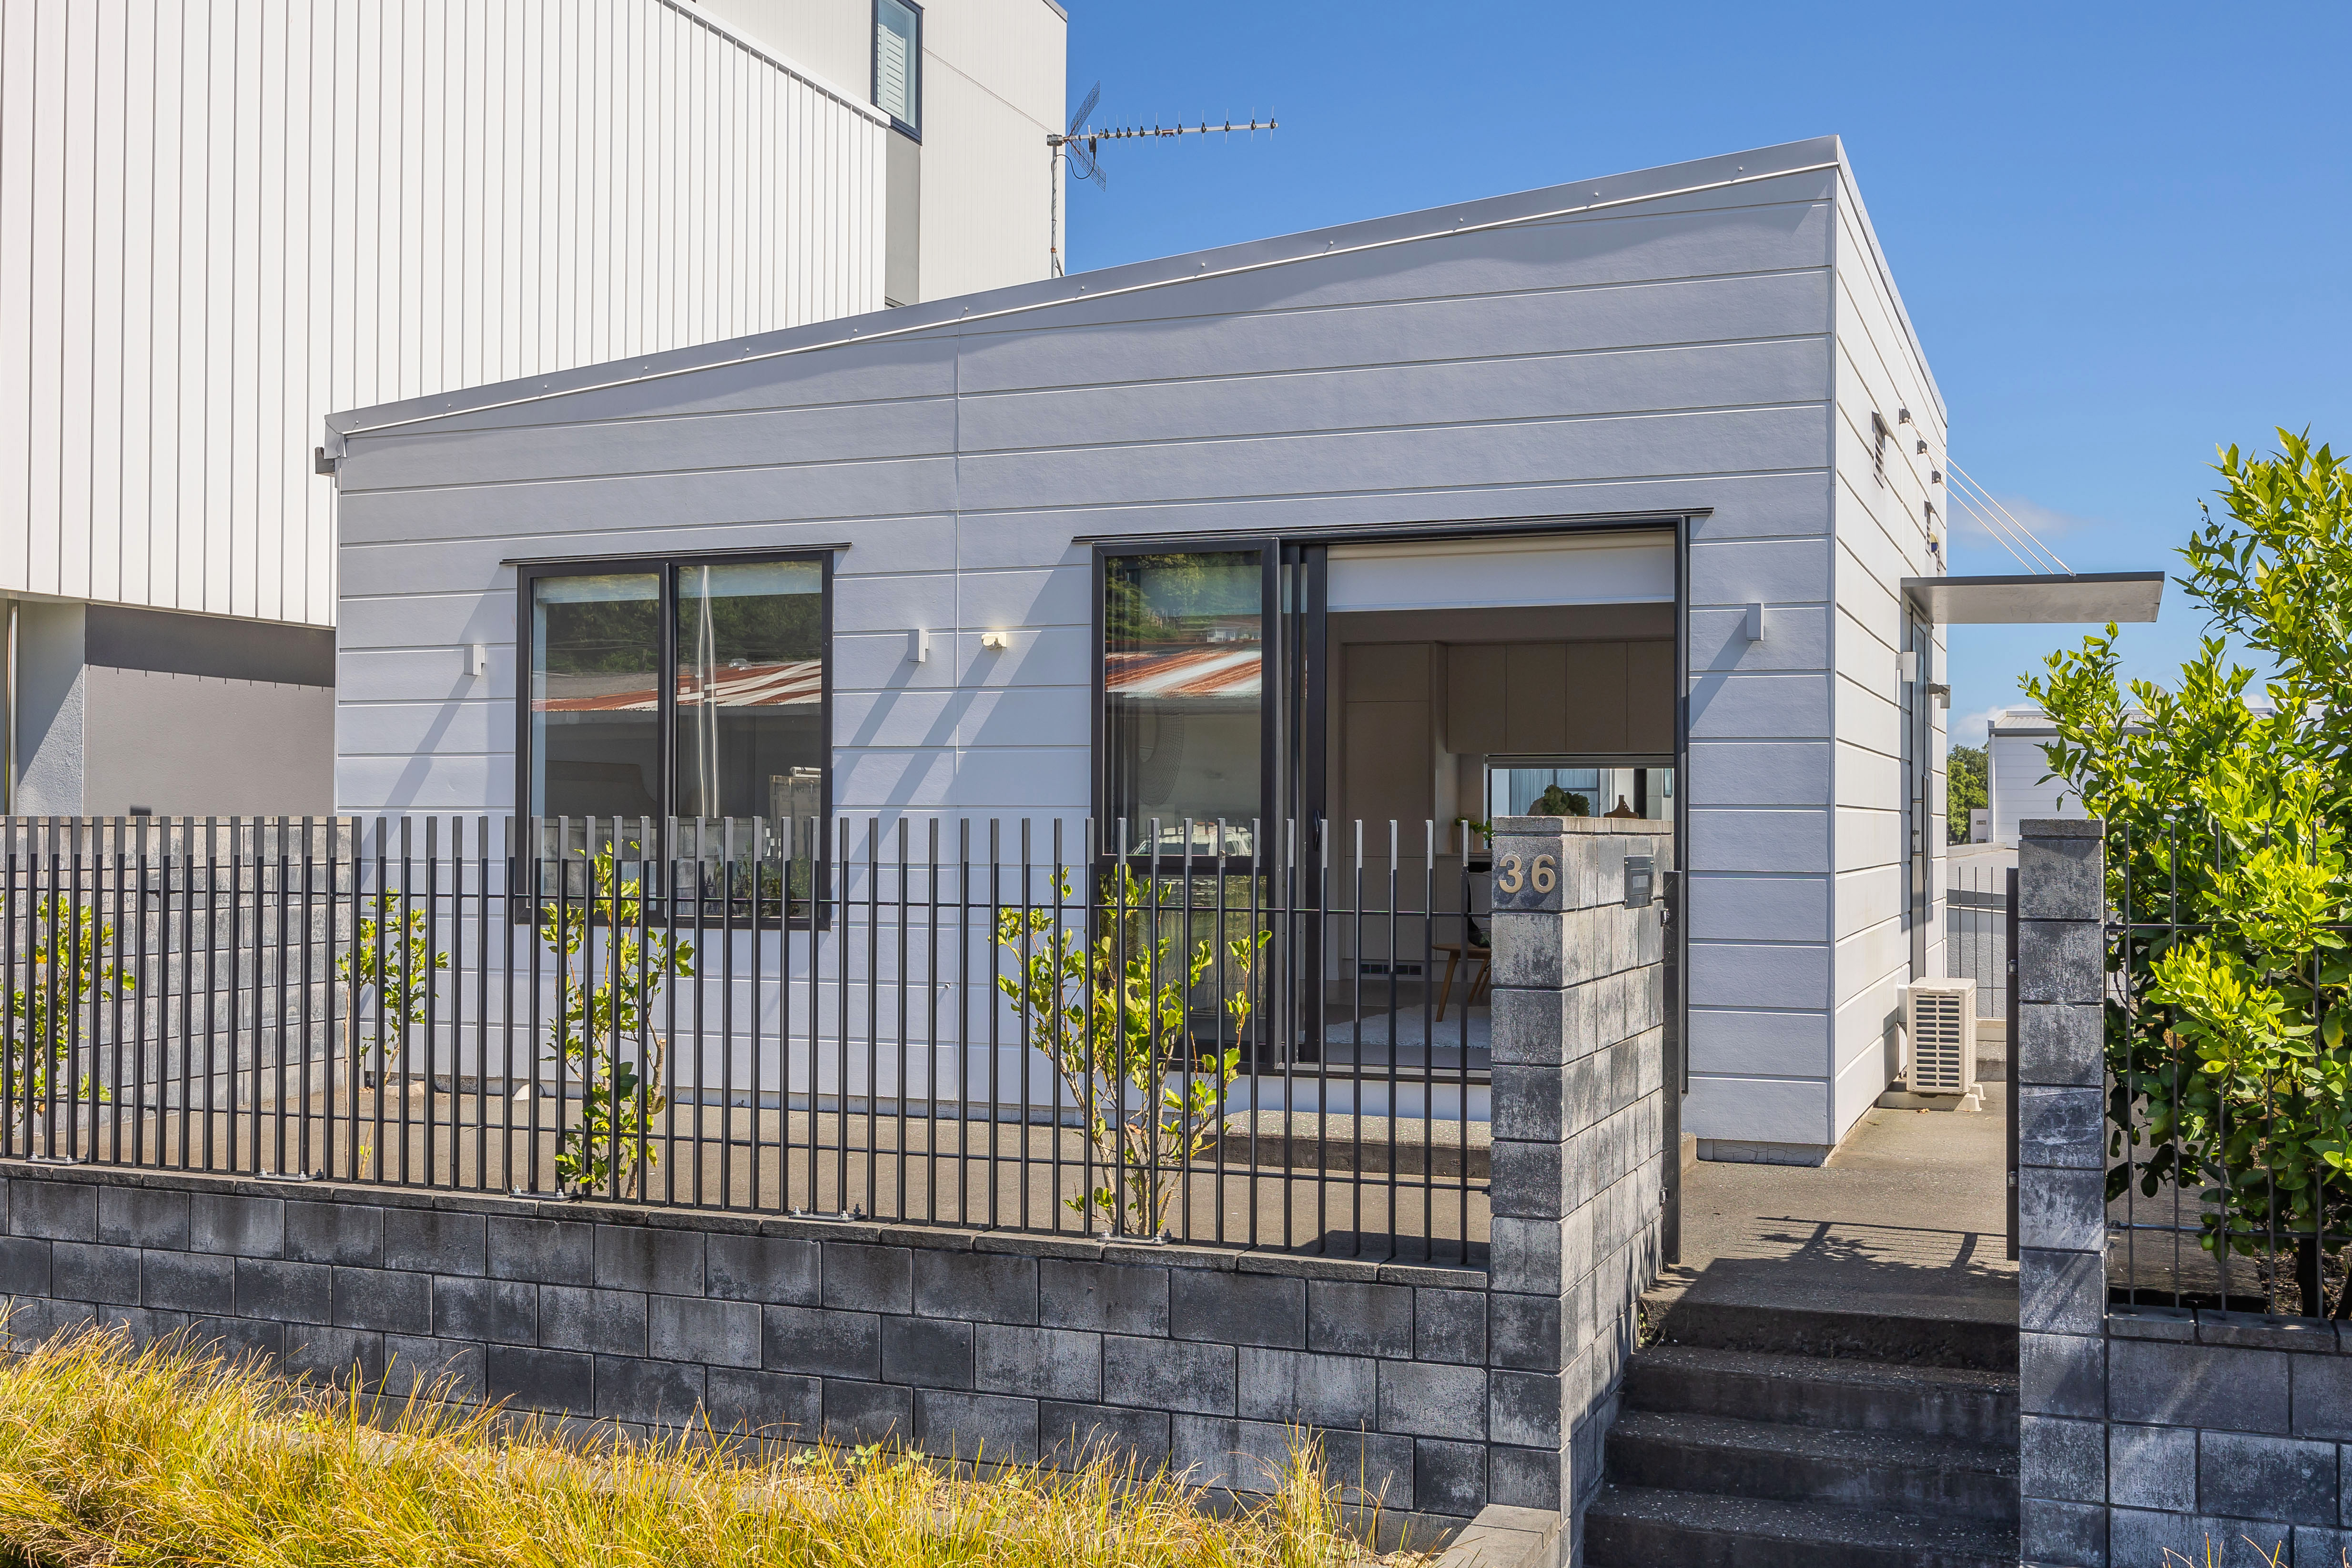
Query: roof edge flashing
{"points": [[1598, 193]]}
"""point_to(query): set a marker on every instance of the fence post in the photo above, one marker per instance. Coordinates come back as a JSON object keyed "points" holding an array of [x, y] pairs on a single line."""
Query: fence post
{"points": [[2061, 1055], [1579, 1159]]}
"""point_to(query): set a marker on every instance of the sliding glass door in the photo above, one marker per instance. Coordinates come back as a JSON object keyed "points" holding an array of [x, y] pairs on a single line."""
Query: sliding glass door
{"points": [[1184, 657], [1211, 736]]}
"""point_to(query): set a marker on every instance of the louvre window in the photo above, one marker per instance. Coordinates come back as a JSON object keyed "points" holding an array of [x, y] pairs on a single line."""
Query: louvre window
{"points": [[899, 63]]}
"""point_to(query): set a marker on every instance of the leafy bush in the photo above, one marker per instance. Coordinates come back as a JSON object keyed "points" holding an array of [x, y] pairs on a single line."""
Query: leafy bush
{"points": [[69, 973], [613, 964], [1965, 790], [2226, 1021], [1557, 801], [393, 957], [1114, 1017]]}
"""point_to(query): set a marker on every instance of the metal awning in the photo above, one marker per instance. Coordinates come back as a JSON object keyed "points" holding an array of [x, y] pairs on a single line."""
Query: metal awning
{"points": [[2047, 599]]}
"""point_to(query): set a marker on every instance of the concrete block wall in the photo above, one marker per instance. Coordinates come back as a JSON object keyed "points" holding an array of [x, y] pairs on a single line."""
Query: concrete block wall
{"points": [[1579, 1137], [2222, 1438], [1442, 1391], [957, 1343]]}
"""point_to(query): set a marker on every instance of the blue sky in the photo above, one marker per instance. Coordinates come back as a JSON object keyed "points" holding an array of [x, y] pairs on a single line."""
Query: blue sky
{"points": [[2123, 232]]}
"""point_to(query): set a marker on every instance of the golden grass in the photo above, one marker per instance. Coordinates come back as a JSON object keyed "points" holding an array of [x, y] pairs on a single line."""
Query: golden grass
{"points": [[167, 1457]]}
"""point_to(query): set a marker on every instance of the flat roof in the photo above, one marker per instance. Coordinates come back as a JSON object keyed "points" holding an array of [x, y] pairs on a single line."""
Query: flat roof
{"points": [[2042, 598]]}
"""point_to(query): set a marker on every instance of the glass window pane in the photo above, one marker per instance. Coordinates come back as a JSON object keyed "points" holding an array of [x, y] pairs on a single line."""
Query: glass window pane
{"points": [[751, 690], [897, 62], [595, 720], [1184, 672], [1540, 787]]}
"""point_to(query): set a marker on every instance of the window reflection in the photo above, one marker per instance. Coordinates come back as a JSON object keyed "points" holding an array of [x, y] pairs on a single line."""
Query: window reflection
{"points": [[751, 690], [595, 685], [1545, 788], [1184, 678]]}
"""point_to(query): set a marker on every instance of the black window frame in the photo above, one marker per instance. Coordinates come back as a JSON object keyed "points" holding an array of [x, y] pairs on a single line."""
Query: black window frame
{"points": [[914, 63], [666, 567], [1269, 550]]}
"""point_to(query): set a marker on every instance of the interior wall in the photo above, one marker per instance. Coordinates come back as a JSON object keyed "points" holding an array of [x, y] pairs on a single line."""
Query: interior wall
{"points": [[1420, 699]]}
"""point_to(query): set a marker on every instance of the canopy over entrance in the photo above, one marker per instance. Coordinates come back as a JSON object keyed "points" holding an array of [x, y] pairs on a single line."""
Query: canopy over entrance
{"points": [[2045, 599]]}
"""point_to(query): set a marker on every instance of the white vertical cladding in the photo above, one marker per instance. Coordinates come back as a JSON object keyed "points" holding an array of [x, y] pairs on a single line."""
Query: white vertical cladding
{"points": [[992, 86], [1880, 499], [236, 217], [993, 92]]}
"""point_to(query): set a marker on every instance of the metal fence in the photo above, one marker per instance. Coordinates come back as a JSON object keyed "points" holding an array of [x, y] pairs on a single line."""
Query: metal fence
{"points": [[941, 1021], [2221, 1118], [1976, 932]]}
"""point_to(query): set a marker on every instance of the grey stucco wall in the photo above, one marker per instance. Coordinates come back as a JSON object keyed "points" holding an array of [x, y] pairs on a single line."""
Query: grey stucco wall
{"points": [[52, 697], [176, 715], [181, 745], [2147, 1430]]}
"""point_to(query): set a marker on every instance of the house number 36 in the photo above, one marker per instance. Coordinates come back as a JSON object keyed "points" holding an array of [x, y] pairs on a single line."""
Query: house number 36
{"points": [[1514, 875]]}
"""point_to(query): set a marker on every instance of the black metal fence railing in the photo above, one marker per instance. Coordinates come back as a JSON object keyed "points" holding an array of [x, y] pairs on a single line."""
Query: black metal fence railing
{"points": [[1976, 932], [2229, 1085], [954, 1022]]}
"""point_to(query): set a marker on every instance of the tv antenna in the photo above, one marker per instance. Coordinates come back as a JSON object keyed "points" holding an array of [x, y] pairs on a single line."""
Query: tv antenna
{"points": [[1082, 150]]}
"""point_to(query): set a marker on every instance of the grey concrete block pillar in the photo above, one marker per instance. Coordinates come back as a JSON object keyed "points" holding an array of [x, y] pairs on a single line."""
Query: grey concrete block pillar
{"points": [[1578, 1142], [2061, 905]]}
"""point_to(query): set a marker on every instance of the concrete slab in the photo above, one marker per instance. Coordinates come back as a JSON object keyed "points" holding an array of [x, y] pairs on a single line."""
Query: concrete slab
{"points": [[1909, 1218]]}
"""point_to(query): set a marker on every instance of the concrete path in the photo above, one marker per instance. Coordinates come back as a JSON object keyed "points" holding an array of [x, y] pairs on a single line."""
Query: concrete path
{"points": [[1909, 1218]]}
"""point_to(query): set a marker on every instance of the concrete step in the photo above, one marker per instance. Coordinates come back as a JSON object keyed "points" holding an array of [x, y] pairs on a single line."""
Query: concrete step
{"points": [[1894, 1473], [1967, 1343], [1961, 1403], [1644, 1527]]}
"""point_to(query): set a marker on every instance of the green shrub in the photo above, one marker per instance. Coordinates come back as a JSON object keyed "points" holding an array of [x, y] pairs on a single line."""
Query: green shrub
{"points": [[2225, 1017]]}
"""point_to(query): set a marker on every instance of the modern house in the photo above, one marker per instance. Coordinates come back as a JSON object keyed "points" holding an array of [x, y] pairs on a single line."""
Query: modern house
{"points": [[228, 221], [1624, 489]]}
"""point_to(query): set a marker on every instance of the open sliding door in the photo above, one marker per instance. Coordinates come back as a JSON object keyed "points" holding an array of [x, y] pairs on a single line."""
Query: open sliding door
{"points": [[1296, 732], [1210, 741]]}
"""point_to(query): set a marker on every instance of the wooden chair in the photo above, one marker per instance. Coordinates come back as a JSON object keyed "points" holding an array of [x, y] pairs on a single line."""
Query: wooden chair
{"points": [[1481, 981]]}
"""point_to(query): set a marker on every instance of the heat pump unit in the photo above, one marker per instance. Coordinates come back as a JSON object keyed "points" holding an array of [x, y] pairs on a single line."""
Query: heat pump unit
{"points": [[1940, 1017]]}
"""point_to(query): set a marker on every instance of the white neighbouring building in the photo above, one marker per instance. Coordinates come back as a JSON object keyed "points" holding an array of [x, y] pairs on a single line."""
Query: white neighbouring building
{"points": [[2018, 779], [226, 220]]}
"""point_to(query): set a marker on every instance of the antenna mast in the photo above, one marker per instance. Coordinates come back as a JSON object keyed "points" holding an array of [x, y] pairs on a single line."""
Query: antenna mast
{"points": [[1082, 149]]}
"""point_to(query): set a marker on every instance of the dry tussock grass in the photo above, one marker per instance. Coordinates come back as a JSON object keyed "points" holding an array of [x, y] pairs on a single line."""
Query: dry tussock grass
{"points": [[167, 1457]]}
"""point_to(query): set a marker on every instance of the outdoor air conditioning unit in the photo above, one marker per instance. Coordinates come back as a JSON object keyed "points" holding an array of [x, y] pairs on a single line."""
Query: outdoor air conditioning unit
{"points": [[1941, 1017]]}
